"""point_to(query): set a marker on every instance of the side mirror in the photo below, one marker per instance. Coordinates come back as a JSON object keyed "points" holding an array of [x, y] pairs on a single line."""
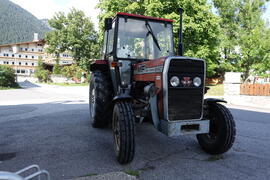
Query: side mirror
{"points": [[108, 24]]}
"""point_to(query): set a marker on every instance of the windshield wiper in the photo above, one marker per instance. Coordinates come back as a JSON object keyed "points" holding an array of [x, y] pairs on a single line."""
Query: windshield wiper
{"points": [[150, 31]]}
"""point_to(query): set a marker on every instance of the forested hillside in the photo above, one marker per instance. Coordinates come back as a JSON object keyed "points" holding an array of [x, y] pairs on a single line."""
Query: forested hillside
{"points": [[17, 24]]}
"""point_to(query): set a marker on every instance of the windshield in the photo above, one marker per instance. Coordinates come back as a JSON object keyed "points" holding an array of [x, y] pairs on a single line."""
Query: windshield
{"points": [[139, 39]]}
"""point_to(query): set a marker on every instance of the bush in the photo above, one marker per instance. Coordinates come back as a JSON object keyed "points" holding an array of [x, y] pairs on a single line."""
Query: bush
{"points": [[56, 69], [7, 77], [43, 75], [72, 71]]}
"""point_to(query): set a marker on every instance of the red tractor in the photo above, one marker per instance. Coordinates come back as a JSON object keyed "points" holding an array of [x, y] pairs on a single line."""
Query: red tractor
{"points": [[141, 79]]}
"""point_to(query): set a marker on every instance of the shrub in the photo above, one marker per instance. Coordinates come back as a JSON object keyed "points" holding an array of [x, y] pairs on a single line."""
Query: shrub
{"points": [[56, 67], [7, 77], [43, 75], [72, 71]]}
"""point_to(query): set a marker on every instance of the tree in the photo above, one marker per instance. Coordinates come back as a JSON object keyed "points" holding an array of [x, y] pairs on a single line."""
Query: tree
{"points": [[74, 33], [200, 25], [245, 43]]}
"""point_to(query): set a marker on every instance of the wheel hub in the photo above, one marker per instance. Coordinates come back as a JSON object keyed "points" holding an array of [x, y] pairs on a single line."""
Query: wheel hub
{"points": [[92, 102], [116, 132]]}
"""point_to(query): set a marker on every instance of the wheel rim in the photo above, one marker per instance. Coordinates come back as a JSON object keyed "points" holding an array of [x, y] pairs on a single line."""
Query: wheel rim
{"points": [[92, 102], [116, 134]]}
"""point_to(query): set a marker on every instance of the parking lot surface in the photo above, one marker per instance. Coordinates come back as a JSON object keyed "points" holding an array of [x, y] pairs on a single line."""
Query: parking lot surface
{"points": [[49, 125]]}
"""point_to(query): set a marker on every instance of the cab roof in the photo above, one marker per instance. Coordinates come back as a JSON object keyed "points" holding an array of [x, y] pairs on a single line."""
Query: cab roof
{"points": [[143, 17]]}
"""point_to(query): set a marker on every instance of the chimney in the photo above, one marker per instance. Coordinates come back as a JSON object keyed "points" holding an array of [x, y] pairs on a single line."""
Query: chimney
{"points": [[35, 37]]}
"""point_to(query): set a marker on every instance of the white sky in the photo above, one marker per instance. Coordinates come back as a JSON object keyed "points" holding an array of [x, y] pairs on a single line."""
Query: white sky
{"points": [[47, 8]]}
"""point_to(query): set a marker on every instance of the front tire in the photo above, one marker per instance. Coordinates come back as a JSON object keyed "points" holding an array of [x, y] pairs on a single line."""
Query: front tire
{"points": [[100, 98], [123, 132], [221, 135]]}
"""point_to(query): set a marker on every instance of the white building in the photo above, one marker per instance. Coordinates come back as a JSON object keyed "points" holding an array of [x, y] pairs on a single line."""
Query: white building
{"points": [[23, 57]]}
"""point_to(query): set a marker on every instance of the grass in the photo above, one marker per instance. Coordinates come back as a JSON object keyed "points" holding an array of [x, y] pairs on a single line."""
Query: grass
{"points": [[8, 88], [89, 174], [67, 84], [215, 158], [215, 90], [132, 172]]}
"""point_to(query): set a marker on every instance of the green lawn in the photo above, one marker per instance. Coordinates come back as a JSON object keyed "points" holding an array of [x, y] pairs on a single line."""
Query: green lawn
{"points": [[7, 88], [215, 90]]}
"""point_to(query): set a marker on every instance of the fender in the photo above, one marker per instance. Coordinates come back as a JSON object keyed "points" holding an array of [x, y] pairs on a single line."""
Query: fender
{"points": [[99, 65], [122, 97], [213, 100]]}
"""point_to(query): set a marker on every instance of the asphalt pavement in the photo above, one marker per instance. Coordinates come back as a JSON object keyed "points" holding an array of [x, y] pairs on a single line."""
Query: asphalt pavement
{"points": [[49, 125]]}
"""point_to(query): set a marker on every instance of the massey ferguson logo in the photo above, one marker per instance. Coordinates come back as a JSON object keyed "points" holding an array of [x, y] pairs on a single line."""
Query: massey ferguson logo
{"points": [[186, 81]]}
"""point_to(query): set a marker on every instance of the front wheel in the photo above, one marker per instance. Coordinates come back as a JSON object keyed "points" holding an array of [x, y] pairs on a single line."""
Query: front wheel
{"points": [[222, 130], [123, 132]]}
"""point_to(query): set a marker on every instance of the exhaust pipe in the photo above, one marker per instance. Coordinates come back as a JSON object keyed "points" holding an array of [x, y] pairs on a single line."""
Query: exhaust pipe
{"points": [[180, 35]]}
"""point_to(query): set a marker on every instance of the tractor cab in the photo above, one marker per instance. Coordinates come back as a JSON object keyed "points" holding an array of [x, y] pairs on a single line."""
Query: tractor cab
{"points": [[136, 37]]}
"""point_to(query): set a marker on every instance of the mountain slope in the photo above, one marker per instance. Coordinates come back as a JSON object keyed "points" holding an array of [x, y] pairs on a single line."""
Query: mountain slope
{"points": [[17, 24]]}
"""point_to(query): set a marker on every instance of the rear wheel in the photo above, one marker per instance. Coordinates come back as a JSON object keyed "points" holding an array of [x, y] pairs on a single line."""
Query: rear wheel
{"points": [[222, 130], [100, 97], [123, 132]]}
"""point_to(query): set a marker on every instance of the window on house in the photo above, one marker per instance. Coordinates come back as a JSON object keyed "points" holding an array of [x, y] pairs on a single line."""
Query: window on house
{"points": [[26, 56], [20, 63], [33, 64], [23, 71], [25, 49], [20, 56], [32, 49], [26, 63], [18, 71], [33, 57], [12, 55], [13, 63]]}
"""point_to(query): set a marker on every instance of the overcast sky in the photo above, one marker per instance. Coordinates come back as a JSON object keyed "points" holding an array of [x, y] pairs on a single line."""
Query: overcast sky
{"points": [[45, 9]]}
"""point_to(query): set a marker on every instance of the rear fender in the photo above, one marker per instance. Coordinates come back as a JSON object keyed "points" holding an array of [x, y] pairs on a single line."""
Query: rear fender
{"points": [[99, 64]]}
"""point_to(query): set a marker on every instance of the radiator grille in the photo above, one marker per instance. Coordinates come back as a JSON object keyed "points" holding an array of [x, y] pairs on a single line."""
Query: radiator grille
{"points": [[185, 101]]}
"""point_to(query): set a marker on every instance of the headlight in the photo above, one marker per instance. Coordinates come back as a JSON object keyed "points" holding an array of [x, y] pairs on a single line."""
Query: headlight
{"points": [[174, 81], [197, 81]]}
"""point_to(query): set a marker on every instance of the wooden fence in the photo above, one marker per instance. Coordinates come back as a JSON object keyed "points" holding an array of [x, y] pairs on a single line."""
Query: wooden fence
{"points": [[255, 89]]}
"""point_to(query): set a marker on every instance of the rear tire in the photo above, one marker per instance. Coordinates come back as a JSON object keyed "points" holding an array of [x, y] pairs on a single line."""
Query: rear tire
{"points": [[123, 132], [221, 135], [100, 97]]}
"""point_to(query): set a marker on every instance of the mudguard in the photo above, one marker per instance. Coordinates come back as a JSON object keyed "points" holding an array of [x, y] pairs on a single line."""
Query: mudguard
{"points": [[99, 65], [122, 97], [213, 100]]}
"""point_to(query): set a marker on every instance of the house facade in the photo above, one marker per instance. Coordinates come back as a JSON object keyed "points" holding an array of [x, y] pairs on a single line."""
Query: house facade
{"points": [[23, 57]]}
